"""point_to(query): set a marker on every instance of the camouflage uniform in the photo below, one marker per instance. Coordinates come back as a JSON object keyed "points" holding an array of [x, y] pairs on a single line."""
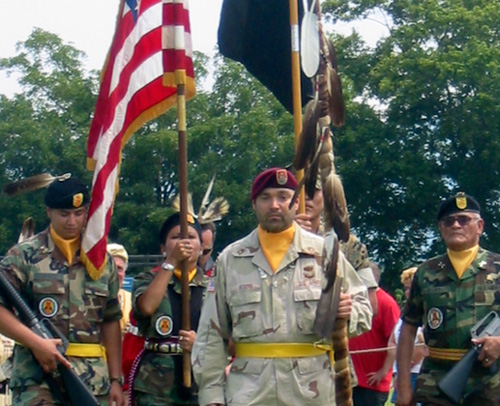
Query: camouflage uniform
{"points": [[250, 303], [448, 307], [74, 303], [159, 376]]}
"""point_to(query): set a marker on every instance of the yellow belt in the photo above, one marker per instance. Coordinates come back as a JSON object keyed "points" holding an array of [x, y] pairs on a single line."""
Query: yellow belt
{"points": [[282, 350], [84, 350], [448, 354]]}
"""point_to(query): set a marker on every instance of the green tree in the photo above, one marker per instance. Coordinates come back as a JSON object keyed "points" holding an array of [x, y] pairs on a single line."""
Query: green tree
{"points": [[422, 121]]}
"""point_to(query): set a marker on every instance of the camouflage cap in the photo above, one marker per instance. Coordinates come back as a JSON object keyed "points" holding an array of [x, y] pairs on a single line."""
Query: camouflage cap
{"points": [[66, 193], [458, 203]]}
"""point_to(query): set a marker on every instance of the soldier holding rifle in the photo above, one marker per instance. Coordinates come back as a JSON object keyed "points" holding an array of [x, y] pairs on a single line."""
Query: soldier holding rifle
{"points": [[46, 270], [449, 295]]}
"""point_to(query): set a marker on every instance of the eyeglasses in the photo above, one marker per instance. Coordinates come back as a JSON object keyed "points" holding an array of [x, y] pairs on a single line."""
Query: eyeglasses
{"points": [[462, 220], [206, 251]]}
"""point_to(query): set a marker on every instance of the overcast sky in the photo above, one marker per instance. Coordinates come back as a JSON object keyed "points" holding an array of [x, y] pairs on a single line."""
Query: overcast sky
{"points": [[89, 25]]}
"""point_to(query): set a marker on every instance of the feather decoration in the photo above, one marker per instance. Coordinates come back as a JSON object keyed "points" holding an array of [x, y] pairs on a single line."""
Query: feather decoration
{"points": [[309, 43], [217, 209], [176, 204], [27, 230], [32, 183], [206, 198]]}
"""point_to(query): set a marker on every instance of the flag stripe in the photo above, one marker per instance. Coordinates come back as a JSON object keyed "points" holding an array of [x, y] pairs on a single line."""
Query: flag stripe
{"points": [[131, 93]]}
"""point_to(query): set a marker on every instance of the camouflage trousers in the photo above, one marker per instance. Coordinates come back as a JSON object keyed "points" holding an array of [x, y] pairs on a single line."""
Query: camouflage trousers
{"points": [[35, 395]]}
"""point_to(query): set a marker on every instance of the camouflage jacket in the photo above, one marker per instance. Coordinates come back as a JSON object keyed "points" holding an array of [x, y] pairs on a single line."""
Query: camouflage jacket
{"points": [[448, 307], [161, 374], [248, 302], [65, 294]]}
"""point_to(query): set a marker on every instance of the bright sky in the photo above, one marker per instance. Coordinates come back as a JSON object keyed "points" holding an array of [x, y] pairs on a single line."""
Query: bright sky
{"points": [[89, 25]]}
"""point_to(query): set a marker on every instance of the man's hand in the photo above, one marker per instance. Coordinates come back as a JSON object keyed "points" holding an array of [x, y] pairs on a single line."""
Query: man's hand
{"points": [[374, 378], [186, 339], [304, 220], [345, 306], [490, 350], [46, 353]]}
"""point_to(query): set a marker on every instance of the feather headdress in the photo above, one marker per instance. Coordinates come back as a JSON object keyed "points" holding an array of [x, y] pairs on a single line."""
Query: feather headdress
{"points": [[32, 183], [209, 211]]}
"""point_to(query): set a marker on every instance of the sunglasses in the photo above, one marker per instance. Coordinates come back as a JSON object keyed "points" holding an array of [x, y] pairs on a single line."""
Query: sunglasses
{"points": [[206, 251], [462, 220]]}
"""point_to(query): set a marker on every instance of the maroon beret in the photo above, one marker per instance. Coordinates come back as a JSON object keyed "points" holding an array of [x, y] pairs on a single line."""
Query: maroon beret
{"points": [[273, 178]]}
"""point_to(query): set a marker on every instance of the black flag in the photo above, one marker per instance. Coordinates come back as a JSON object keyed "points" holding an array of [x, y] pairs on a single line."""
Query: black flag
{"points": [[257, 34]]}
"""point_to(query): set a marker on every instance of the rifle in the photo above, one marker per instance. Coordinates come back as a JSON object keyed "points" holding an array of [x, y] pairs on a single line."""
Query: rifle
{"points": [[453, 383], [76, 390]]}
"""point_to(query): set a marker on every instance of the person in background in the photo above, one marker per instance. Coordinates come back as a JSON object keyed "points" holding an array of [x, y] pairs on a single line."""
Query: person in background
{"points": [[420, 351], [372, 362], [157, 374], [82, 304], [206, 262], [120, 256], [449, 294], [264, 296]]}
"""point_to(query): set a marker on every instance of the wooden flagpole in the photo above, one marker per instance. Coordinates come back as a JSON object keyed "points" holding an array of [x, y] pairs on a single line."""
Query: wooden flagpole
{"points": [[183, 193], [297, 99]]}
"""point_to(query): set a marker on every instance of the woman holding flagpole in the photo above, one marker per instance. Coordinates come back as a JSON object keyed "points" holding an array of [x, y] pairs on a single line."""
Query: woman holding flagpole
{"points": [[156, 378]]}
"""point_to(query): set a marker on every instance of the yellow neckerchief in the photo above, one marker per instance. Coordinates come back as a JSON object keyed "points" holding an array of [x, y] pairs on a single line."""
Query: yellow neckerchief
{"points": [[275, 245], [462, 259], [178, 274], [67, 247]]}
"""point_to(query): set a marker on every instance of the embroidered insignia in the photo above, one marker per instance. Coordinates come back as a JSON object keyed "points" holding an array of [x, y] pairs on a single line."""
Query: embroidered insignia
{"points": [[48, 307], [434, 318], [441, 265], [281, 177], [482, 264], [77, 200], [164, 325], [461, 202], [308, 272]]}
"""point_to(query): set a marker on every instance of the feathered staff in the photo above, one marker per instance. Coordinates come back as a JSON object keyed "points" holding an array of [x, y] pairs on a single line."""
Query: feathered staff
{"points": [[315, 155]]}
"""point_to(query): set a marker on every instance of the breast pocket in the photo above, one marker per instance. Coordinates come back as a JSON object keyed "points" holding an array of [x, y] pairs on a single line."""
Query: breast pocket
{"points": [[488, 295], [246, 313], [306, 303], [48, 294], [96, 296]]}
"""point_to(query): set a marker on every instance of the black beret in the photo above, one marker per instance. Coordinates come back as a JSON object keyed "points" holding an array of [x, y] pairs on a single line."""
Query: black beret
{"points": [[458, 203], [175, 220], [273, 178], [68, 193]]}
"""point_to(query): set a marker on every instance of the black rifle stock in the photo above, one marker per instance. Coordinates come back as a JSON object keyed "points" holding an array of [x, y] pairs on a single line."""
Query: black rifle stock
{"points": [[76, 390], [453, 383]]}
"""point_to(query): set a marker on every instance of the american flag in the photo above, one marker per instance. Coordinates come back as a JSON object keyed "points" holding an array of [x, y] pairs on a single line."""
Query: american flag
{"points": [[150, 54]]}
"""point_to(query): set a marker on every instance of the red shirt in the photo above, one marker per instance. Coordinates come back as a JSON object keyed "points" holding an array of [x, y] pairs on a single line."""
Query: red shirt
{"points": [[377, 337]]}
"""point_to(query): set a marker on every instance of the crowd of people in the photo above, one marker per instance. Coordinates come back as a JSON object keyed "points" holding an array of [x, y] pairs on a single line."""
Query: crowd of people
{"points": [[251, 338]]}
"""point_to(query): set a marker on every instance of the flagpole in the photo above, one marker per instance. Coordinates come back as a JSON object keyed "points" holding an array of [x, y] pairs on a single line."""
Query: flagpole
{"points": [[183, 192], [297, 99]]}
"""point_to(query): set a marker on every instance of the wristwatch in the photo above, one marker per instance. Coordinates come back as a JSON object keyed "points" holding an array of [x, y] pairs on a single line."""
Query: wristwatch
{"points": [[119, 380], [167, 267]]}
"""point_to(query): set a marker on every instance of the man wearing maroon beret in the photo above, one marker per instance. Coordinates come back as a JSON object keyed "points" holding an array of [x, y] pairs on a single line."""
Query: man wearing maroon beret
{"points": [[264, 297]]}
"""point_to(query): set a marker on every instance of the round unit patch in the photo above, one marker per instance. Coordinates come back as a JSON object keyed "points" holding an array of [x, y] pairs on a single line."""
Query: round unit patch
{"points": [[48, 307], [434, 318], [164, 325]]}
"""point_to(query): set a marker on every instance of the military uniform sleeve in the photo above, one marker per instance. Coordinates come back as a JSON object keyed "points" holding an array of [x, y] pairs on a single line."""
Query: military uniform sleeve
{"points": [[15, 269], [361, 314], [209, 357], [113, 311]]}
